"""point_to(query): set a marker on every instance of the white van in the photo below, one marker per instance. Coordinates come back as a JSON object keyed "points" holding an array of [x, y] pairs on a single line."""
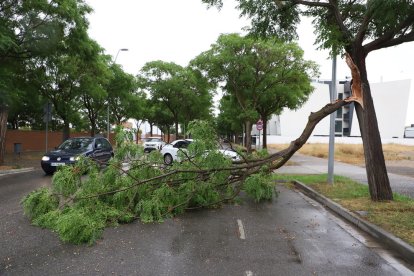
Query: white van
{"points": [[409, 132]]}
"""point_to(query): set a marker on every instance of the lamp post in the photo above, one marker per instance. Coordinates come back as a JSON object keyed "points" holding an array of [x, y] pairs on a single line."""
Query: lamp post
{"points": [[333, 97], [108, 125]]}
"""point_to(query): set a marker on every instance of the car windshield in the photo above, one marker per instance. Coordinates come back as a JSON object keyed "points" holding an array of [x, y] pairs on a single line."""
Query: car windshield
{"points": [[77, 144], [153, 140]]}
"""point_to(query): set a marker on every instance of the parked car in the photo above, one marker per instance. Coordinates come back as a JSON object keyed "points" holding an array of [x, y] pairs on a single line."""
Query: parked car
{"points": [[170, 151], [153, 143], [97, 148]]}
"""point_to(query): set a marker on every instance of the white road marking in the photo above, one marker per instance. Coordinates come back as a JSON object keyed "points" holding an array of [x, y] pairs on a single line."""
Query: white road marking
{"points": [[249, 273], [241, 229]]}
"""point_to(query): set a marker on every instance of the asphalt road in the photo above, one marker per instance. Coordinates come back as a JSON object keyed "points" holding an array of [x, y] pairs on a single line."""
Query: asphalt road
{"points": [[292, 235]]}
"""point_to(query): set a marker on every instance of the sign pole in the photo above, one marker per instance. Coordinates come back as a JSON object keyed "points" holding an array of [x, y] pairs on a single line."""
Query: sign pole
{"points": [[259, 139], [259, 127]]}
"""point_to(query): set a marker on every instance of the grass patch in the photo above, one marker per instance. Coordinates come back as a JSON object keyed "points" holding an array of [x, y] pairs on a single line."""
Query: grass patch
{"points": [[396, 217], [353, 154]]}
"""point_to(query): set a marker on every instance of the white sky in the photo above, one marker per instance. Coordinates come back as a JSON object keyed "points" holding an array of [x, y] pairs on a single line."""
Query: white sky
{"points": [[179, 30]]}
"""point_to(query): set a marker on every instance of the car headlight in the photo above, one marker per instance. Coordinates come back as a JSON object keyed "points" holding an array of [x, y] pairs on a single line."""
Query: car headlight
{"points": [[45, 158], [74, 158]]}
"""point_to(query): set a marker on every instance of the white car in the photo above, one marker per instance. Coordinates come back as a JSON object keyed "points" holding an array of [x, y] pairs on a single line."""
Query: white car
{"points": [[170, 151], [153, 143]]}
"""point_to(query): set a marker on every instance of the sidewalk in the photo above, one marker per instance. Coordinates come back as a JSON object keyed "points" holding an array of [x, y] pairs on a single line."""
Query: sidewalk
{"points": [[304, 164], [26, 161]]}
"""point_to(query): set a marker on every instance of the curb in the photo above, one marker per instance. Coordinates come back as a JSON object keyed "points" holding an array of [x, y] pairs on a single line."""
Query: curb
{"points": [[404, 249], [7, 172]]}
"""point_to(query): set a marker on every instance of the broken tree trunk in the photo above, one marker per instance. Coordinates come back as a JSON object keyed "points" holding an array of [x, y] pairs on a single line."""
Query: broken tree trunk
{"points": [[378, 181]]}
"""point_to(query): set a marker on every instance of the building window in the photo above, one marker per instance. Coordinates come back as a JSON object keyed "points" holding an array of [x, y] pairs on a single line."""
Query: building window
{"points": [[339, 113], [346, 131], [338, 126]]}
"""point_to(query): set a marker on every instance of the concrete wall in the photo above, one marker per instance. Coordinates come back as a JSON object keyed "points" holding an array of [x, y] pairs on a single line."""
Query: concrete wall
{"points": [[391, 100], [391, 105], [292, 122]]}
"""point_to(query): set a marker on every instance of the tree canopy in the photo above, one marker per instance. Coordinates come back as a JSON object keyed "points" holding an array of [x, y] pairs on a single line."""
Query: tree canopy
{"points": [[32, 30], [181, 90], [263, 76]]}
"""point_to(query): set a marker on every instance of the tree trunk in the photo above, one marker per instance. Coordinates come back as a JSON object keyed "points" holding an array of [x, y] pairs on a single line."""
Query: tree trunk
{"points": [[66, 131], [248, 136], [3, 129], [379, 184], [151, 126], [93, 127], [264, 119]]}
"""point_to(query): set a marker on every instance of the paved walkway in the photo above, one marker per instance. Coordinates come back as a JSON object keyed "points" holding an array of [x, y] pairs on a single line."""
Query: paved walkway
{"points": [[312, 165]]}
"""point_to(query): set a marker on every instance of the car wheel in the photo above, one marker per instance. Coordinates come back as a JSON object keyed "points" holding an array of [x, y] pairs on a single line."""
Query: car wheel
{"points": [[48, 172], [168, 159]]}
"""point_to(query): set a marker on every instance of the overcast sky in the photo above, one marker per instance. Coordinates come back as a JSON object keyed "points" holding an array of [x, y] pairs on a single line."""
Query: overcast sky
{"points": [[178, 30]]}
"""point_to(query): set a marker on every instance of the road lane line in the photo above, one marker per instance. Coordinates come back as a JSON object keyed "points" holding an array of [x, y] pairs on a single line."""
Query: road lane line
{"points": [[241, 229]]}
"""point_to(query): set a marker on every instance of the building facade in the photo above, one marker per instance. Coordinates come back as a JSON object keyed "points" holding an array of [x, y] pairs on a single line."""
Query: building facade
{"points": [[391, 99]]}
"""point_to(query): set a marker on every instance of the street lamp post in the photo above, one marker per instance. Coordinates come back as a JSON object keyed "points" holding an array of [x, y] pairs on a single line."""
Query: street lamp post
{"points": [[108, 125], [333, 96]]}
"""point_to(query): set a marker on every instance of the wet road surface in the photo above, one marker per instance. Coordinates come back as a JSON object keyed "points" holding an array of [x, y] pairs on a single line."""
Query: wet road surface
{"points": [[292, 235]]}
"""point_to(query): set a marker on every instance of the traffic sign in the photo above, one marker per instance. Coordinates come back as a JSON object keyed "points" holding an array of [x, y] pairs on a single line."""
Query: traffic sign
{"points": [[259, 125]]}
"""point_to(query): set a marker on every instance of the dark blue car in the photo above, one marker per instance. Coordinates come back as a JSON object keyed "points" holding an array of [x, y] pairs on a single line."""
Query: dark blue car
{"points": [[97, 148]]}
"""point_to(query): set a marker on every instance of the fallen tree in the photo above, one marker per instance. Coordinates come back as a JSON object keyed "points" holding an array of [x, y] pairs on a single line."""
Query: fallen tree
{"points": [[137, 186]]}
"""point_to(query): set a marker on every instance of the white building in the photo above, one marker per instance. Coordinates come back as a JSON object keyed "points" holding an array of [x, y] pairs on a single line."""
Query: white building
{"points": [[391, 100]]}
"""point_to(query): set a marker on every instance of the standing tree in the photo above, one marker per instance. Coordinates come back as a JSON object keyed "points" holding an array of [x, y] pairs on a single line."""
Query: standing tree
{"points": [[182, 91], [59, 78], [354, 28], [228, 122], [30, 29], [94, 75], [263, 76], [123, 99], [162, 80], [197, 103]]}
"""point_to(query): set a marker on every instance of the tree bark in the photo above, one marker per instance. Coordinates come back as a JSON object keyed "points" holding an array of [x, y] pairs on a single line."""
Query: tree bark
{"points": [[264, 119], [378, 181], [66, 131], [248, 136], [3, 129], [93, 127]]}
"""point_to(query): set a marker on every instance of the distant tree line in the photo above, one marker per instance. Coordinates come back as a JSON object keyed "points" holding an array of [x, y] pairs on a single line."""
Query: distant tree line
{"points": [[47, 57]]}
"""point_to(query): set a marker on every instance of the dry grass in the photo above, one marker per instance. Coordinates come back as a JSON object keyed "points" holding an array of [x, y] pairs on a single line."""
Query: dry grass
{"points": [[353, 154], [396, 216]]}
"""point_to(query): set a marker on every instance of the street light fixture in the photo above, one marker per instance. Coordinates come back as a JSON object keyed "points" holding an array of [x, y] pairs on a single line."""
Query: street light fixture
{"points": [[108, 125]]}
